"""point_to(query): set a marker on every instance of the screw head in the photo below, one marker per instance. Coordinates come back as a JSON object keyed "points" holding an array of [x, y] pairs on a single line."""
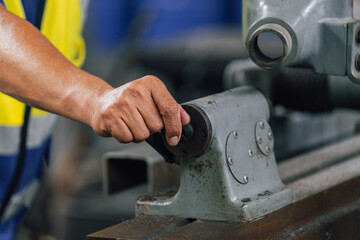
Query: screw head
{"points": [[246, 179], [357, 35], [262, 125], [230, 161], [267, 149], [357, 62], [259, 140], [235, 134], [271, 136], [250, 153]]}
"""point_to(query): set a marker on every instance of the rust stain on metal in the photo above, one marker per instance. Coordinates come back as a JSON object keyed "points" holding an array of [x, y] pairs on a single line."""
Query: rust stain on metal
{"points": [[265, 193], [199, 167]]}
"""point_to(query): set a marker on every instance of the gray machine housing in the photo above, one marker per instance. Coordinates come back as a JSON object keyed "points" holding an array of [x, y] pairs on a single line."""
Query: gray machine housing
{"points": [[319, 34], [235, 178]]}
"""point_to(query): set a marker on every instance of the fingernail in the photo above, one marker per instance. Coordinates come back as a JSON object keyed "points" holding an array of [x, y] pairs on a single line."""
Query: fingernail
{"points": [[173, 141]]}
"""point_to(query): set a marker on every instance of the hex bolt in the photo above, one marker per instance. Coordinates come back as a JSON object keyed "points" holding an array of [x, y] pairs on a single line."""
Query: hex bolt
{"points": [[250, 153], [267, 149], [246, 179], [262, 125], [235, 134], [259, 140], [271, 136], [230, 161], [357, 62], [357, 35]]}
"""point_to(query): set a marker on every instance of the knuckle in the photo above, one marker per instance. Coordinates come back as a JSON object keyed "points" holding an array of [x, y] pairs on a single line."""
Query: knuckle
{"points": [[124, 138], [157, 126], [155, 81], [142, 135], [134, 90], [171, 110]]}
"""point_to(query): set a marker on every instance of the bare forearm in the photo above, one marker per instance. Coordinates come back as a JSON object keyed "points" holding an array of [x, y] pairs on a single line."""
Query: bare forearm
{"points": [[33, 71]]}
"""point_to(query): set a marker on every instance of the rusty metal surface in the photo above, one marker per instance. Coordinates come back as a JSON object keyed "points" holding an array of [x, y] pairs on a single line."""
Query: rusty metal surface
{"points": [[296, 221], [298, 214], [341, 224], [326, 201], [308, 163], [142, 227], [199, 230], [346, 227]]}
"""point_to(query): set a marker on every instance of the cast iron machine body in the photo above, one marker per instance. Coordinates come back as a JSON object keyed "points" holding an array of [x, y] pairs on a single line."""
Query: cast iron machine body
{"points": [[228, 167], [319, 34]]}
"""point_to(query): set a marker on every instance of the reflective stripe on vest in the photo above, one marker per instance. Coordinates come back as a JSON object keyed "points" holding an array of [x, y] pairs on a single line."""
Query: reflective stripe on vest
{"points": [[21, 199], [62, 25], [39, 129]]}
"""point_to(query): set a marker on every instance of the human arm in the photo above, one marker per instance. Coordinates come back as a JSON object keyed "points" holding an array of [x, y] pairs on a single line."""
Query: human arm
{"points": [[33, 71]]}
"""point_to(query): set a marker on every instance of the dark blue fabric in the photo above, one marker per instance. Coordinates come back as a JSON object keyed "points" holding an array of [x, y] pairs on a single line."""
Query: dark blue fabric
{"points": [[31, 8], [7, 229], [33, 169]]}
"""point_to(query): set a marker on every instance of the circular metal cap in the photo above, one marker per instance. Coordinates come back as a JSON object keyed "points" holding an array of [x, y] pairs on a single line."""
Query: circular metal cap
{"points": [[195, 137], [237, 156], [264, 137]]}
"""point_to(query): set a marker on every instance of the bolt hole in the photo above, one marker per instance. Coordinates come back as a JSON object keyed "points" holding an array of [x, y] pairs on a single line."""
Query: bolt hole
{"points": [[270, 45], [183, 152], [357, 62]]}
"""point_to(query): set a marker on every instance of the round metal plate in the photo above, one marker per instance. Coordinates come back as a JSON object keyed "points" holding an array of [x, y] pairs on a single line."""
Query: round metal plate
{"points": [[237, 156], [195, 138], [264, 137]]}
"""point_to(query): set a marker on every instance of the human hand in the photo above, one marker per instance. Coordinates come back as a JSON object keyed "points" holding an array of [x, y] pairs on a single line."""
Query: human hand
{"points": [[133, 111]]}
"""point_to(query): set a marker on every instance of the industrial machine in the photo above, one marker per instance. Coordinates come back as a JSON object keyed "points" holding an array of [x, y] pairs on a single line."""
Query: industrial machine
{"points": [[231, 186]]}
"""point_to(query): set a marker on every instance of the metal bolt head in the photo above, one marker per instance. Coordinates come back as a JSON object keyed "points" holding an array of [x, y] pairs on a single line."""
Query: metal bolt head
{"points": [[357, 62], [262, 125], [235, 134], [270, 135], [250, 153], [230, 161], [246, 179], [357, 35], [267, 149], [259, 140]]}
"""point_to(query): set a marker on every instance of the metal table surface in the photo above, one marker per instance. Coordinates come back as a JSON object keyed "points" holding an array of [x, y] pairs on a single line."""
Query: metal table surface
{"points": [[326, 205]]}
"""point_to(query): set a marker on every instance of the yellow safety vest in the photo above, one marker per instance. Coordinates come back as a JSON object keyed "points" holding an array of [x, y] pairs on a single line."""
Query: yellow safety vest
{"points": [[62, 25]]}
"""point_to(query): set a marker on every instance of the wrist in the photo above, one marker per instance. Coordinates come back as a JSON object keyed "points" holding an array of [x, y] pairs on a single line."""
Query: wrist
{"points": [[88, 98]]}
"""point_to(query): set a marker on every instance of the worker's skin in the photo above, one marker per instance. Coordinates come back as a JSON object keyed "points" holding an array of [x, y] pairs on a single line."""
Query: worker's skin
{"points": [[33, 71]]}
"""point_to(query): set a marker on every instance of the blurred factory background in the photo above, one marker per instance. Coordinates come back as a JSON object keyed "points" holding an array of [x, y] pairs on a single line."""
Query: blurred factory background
{"points": [[188, 45]]}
